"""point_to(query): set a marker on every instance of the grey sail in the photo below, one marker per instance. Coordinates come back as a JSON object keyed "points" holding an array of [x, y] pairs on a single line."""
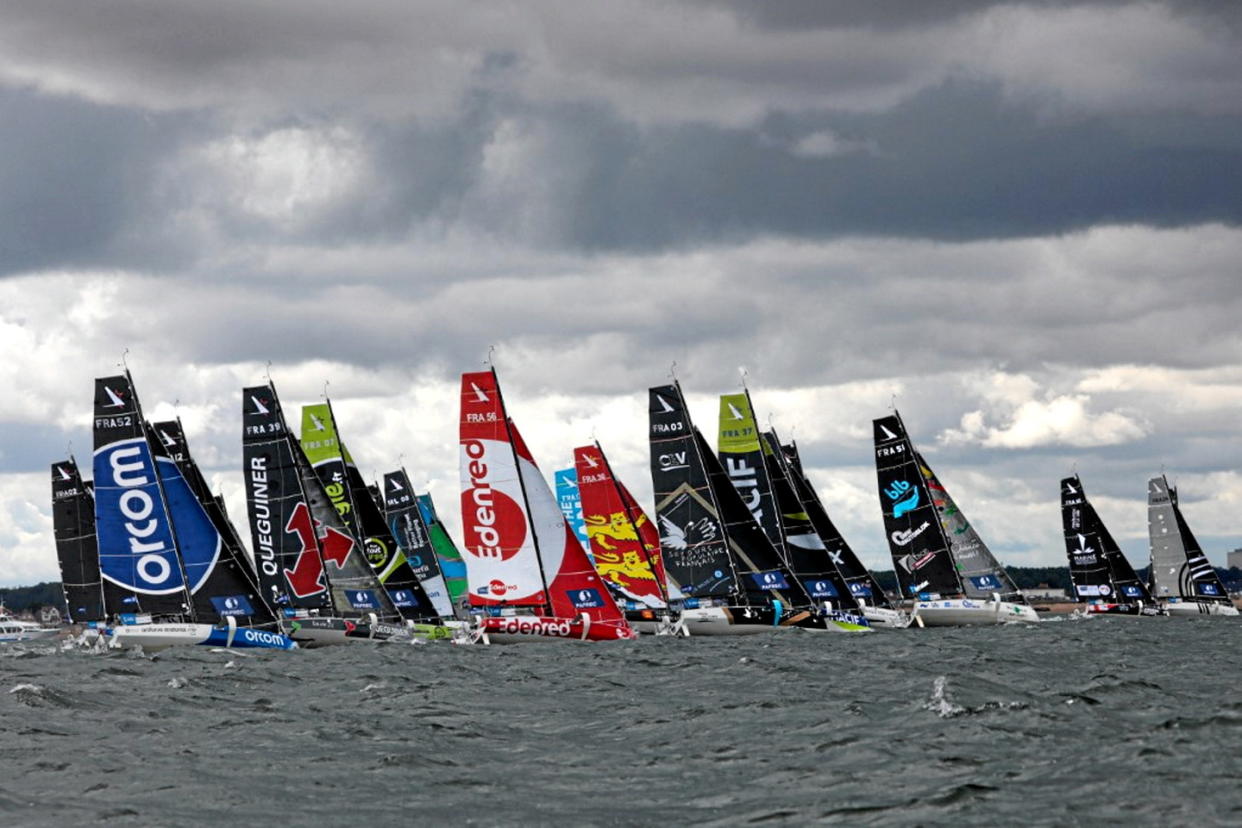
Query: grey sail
{"points": [[1179, 569]]}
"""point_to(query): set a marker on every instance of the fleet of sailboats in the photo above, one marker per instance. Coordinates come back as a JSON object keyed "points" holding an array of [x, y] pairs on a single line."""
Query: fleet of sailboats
{"points": [[738, 543]]}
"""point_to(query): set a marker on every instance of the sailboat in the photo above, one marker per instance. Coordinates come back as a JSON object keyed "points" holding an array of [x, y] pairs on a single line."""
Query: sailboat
{"points": [[448, 556], [940, 560], [529, 576], [363, 518], [406, 523], [308, 563], [73, 525], [714, 553], [1182, 578], [757, 475], [159, 553], [876, 606], [625, 545], [1100, 573]]}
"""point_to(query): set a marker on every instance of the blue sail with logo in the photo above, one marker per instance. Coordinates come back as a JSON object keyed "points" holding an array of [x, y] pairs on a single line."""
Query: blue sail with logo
{"points": [[570, 500], [137, 549]]}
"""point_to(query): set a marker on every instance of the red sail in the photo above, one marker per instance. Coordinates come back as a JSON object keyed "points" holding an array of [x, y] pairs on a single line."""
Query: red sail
{"points": [[574, 587], [624, 542], [502, 562]]}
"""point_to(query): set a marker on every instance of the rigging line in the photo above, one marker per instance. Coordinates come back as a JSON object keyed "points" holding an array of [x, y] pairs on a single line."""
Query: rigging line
{"points": [[267, 372], [325, 389], [490, 361], [672, 371]]}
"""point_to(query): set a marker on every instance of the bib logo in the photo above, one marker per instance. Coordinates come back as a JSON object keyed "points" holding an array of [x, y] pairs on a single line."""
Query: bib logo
{"points": [[821, 589], [560, 628], [362, 599], [136, 544], [904, 497], [586, 598]]}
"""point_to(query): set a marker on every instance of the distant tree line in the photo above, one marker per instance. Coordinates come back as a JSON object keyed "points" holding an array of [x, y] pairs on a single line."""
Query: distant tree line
{"points": [[20, 599]]}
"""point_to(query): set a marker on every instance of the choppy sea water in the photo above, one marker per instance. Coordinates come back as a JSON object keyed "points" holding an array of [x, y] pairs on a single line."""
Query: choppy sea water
{"points": [[1067, 722]]}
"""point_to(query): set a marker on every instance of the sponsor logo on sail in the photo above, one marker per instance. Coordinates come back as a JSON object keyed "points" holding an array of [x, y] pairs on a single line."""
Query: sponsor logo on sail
{"points": [[235, 605], [903, 536], [479, 395], [672, 461], [116, 402], [664, 406], [259, 407], [591, 462], [128, 489], [362, 599], [488, 511], [904, 496], [769, 580], [733, 412], [821, 589], [860, 589], [887, 435]]}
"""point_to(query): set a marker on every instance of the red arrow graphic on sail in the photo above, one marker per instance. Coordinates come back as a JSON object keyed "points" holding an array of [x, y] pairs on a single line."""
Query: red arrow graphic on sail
{"points": [[306, 577], [336, 546]]}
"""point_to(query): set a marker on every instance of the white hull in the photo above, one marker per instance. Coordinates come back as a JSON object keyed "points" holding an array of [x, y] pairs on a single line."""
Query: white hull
{"points": [[889, 619], [1184, 608], [719, 621], [958, 612], [155, 637]]}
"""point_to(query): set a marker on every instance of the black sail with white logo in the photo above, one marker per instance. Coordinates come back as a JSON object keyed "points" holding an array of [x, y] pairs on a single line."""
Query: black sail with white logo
{"points": [[916, 539], [282, 529], [73, 524], [360, 513], [1179, 569], [692, 538], [138, 558], [405, 520], [1098, 569], [232, 587], [862, 583], [805, 552]]}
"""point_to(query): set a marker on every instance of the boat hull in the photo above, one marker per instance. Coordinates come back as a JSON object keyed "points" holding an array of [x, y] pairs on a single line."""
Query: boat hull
{"points": [[1204, 608], [959, 612], [515, 629], [1125, 610], [38, 634], [886, 619], [156, 637], [329, 631]]}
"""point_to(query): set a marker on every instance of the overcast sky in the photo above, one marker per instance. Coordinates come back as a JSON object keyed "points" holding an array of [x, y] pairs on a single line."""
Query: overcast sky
{"points": [[1019, 219]]}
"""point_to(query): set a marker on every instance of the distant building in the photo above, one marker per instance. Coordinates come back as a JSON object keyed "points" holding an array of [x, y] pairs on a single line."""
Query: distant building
{"points": [[1044, 595], [1235, 559]]}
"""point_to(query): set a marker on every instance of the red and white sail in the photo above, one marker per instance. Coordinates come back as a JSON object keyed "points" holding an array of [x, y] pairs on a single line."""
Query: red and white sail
{"points": [[574, 587], [623, 540], [502, 562]]}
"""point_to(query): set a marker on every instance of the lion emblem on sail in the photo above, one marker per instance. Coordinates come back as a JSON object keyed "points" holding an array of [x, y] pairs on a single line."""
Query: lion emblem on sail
{"points": [[618, 553]]}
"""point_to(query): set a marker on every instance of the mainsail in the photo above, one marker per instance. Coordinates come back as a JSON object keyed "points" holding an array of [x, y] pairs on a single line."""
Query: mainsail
{"points": [[1098, 569], [447, 554], [73, 524], [625, 543], [305, 555], [138, 559], [360, 513], [712, 545], [231, 588], [862, 584], [1179, 569], [407, 526], [570, 500], [519, 549]]}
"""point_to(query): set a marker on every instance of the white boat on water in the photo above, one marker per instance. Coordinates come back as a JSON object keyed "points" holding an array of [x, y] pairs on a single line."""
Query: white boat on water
{"points": [[886, 618], [15, 630], [941, 561], [1182, 578], [957, 612], [154, 637]]}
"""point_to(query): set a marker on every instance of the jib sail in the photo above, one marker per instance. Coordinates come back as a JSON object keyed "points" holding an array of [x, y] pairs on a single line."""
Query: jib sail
{"points": [[1098, 569], [448, 555]]}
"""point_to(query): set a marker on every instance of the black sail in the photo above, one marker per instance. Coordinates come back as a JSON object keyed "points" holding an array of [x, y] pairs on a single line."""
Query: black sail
{"points": [[282, 529], [1098, 568], [232, 588], [405, 521], [360, 513], [710, 539], [692, 537], [805, 551], [1179, 569], [916, 539], [73, 524], [862, 584], [139, 562]]}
